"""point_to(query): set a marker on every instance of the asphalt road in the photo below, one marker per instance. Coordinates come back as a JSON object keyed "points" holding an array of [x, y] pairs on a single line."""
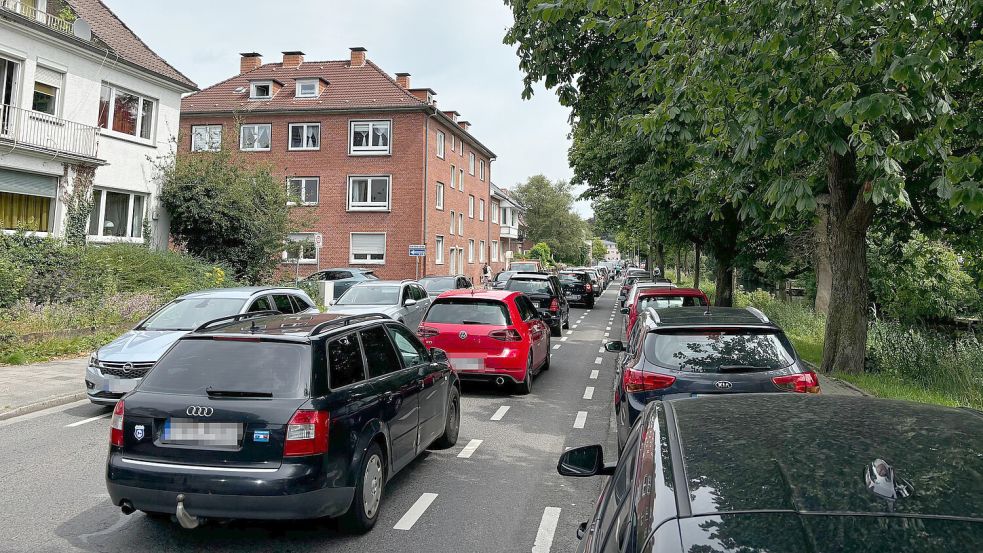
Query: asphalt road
{"points": [[503, 495]]}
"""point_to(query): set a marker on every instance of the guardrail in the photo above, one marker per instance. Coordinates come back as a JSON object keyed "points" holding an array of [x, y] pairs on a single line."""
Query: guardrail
{"points": [[47, 131]]}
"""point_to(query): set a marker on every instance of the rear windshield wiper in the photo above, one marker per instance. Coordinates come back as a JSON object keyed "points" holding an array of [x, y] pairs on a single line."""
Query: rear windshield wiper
{"points": [[742, 369], [473, 323], [236, 393]]}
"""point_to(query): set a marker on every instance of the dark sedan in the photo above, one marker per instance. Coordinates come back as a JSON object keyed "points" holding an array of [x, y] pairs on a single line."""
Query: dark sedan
{"points": [[437, 285], [789, 474], [546, 294], [342, 278], [577, 288]]}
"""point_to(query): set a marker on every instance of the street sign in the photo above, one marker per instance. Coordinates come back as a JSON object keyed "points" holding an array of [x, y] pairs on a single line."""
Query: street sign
{"points": [[318, 240], [418, 250]]}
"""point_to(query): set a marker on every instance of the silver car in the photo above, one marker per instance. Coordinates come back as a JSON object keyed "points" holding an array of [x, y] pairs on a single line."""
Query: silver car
{"points": [[405, 301], [117, 367]]}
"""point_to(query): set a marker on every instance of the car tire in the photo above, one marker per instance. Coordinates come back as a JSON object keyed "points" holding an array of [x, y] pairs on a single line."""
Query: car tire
{"points": [[525, 387], [360, 517], [566, 323], [549, 355], [452, 426], [556, 330]]}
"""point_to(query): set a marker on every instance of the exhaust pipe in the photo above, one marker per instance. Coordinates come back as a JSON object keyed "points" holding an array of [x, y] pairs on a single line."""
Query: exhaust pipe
{"points": [[127, 507], [185, 519], [500, 381]]}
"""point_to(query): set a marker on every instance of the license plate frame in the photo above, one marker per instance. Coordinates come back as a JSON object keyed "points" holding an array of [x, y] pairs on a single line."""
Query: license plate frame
{"points": [[181, 432], [468, 364]]}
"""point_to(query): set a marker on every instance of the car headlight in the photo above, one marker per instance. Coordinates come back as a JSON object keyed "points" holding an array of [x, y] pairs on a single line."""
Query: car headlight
{"points": [[94, 359]]}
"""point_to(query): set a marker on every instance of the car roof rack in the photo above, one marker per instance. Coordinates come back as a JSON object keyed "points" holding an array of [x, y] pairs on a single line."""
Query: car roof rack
{"points": [[757, 313], [320, 328], [235, 318]]}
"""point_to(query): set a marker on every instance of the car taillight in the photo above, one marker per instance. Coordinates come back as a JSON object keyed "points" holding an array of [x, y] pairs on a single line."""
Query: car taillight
{"points": [[307, 433], [116, 425], [506, 335], [426, 332], [803, 383], [641, 381], [588, 287], [555, 305]]}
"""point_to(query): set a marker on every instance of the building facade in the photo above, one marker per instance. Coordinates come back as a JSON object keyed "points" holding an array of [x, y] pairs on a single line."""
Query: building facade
{"points": [[84, 103], [370, 160], [508, 216], [612, 253]]}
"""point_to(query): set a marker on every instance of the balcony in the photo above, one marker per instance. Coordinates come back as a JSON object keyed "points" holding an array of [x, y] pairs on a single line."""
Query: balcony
{"points": [[28, 10], [509, 231], [40, 131]]}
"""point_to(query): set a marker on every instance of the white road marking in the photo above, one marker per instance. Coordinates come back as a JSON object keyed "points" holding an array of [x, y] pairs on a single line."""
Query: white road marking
{"points": [[43, 412], [83, 421], [569, 332], [557, 346], [547, 527], [564, 339], [581, 419], [608, 328], [574, 326], [500, 413], [600, 350], [469, 449], [593, 375], [415, 512], [606, 334], [598, 360], [588, 394]]}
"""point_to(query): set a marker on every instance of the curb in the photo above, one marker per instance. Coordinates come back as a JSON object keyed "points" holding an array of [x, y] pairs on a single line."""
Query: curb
{"points": [[43, 404], [842, 382]]}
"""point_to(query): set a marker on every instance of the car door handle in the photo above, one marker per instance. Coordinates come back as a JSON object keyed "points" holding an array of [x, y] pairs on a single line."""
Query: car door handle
{"points": [[388, 397]]}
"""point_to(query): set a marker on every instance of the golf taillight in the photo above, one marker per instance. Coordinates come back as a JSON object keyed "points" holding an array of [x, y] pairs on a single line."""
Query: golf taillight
{"points": [[307, 433], [116, 425], [802, 383], [426, 332], [506, 335], [554, 305], [642, 381]]}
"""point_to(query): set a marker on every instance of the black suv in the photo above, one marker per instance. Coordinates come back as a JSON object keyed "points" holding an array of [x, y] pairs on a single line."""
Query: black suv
{"points": [[701, 350], [546, 294], [789, 473], [577, 287], [280, 417]]}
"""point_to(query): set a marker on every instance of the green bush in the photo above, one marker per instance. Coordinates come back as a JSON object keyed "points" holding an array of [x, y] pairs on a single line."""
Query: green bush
{"points": [[12, 282], [135, 268]]}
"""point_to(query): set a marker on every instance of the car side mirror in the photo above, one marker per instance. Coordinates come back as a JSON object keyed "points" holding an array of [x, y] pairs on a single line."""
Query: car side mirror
{"points": [[410, 302], [438, 355], [614, 345], [332, 302], [624, 310], [584, 461]]}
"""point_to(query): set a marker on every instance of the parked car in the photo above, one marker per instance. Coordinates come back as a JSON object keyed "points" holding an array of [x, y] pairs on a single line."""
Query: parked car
{"points": [[546, 294], [626, 285], [693, 350], [643, 285], [490, 336], [577, 287], [405, 301], [436, 285], [501, 278], [281, 417], [342, 278], [604, 273], [117, 367], [662, 297], [789, 473], [597, 283], [525, 266]]}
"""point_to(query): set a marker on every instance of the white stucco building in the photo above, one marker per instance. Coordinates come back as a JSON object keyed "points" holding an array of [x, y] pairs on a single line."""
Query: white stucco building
{"points": [[81, 92], [612, 253]]}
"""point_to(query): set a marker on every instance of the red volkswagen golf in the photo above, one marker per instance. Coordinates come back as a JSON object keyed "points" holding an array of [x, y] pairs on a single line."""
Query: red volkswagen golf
{"points": [[491, 336]]}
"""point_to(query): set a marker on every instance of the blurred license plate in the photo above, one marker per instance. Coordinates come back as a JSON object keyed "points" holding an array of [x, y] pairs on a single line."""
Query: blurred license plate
{"points": [[468, 363], [573, 296], [190, 432]]}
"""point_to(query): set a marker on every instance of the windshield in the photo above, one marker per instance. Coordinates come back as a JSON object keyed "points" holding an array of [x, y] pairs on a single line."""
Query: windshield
{"points": [[189, 313], [524, 267], [529, 286], [712, 351], [468, 311], [504, 275], [196, 366], [439, 284], [370, 295], [662, 302]]}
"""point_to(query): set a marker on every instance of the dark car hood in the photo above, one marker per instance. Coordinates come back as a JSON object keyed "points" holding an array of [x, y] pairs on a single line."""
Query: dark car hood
{"points": [[808, 453]]}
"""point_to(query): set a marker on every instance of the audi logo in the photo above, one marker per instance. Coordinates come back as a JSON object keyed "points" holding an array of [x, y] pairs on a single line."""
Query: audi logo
{"points": [[723, 385], [199, 411]]}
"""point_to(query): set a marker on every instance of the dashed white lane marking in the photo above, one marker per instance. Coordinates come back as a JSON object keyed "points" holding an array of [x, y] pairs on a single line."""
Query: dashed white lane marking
{"points": [[574, 326], [83, 421], [43, 412], [598, 360], [500, 413], [600, 350], [469, 449], [415, 512], [564, 339], [581, 419], [588, 394], [547, 527], [557, 346], [608, 328], [606, 334], [569, 332], [593, 375]]}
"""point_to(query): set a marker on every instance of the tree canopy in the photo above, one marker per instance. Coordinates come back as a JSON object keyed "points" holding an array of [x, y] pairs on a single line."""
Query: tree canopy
{"points": [[550, 218]]}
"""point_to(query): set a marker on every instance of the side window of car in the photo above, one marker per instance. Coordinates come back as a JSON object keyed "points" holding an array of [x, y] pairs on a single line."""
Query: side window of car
{"points": [[407, 294], [299, 304], [282, 302], [409, 347], [421, 292], [343, 274], [379, 352], [526, 309], [261, 304], [345, 361]]}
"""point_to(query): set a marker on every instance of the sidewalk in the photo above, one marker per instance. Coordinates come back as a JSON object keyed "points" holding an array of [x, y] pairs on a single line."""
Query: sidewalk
{"points": [[27, 388], [835, 386]]}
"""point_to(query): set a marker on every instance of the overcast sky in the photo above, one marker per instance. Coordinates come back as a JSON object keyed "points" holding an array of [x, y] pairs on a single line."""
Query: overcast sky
{"points": [[452, 46]]}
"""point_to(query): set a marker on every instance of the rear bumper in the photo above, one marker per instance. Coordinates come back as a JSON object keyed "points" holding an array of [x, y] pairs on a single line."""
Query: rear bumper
{"points": [[509, 363]]}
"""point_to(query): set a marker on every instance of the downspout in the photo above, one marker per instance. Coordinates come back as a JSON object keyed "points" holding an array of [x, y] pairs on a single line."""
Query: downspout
{"points": [[426, 180]]}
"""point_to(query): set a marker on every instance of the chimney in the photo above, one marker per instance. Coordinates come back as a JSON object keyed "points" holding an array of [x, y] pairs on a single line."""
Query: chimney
{"points": [[293, 59], [452, 115], [464, 124], [249, 61], [358, 57], [403, 80], [425, 95]]}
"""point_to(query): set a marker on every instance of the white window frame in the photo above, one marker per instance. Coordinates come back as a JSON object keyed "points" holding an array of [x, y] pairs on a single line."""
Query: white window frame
{"points": [[296, 237], [303, 190], [242, 135], [481, 169], [453, 142], [351, 252], [370, 205], [252, 90], [439, 201], [494, 212], [453, 222], [207, 129], [460, 224], [471, 251], [439, 250], [470, 206], [481, 251], [101, 209], [453, 176], [494, 251], [139, 129], [460, 181], [369, 150], [300, 84], [290, 130], [471, 163], [440, 144], [481, 209]]}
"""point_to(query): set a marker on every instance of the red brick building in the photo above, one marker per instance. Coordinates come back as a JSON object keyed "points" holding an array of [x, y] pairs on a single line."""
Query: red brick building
{"points": [[374, 160]]}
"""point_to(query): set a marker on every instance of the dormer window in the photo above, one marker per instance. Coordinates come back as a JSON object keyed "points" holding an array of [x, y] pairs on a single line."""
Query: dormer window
{"points": [[260, 90], [307, 88]]}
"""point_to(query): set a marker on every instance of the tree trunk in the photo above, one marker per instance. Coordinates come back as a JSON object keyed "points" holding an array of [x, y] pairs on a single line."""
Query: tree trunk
{"points": [[850, 216], [824, 273], [696, 265], [678, 264], [661, 259], [685, 258], [725, 284]]}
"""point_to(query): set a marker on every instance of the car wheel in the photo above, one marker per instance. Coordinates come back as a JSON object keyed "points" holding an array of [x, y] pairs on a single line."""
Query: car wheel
{"points": [[525, 386], [556, 330], [364, 511], [566, 323], [549, 355], [453, 424]]}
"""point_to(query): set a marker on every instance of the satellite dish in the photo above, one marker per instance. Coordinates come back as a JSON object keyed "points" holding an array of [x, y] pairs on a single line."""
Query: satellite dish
{"points": [[82, 29]]}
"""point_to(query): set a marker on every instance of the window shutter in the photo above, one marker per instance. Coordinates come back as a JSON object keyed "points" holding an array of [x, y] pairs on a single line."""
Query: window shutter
{"points": [[49, 77], [369, 243], [32, 184]]}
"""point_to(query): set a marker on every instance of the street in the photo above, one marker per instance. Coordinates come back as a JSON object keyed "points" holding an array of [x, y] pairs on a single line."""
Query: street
{"points": [[496, 490]]}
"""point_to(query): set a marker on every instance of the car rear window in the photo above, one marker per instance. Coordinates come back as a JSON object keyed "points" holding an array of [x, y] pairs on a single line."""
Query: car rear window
{"points": [[195, 366], [439, 284], [529, 286], [716, 351], [468, 311], [662, 302]]}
